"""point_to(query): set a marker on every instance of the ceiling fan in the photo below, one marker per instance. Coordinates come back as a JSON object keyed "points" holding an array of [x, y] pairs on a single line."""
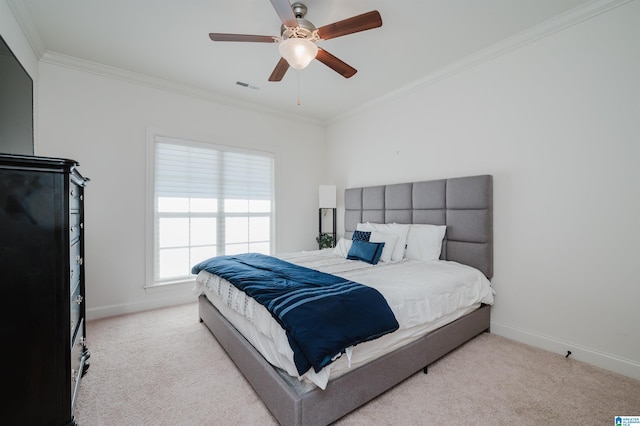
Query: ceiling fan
{"points": [[298, 38]]}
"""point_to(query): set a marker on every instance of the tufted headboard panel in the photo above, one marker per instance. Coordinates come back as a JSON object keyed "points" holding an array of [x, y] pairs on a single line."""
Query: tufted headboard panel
{"points": [[464, 205]]}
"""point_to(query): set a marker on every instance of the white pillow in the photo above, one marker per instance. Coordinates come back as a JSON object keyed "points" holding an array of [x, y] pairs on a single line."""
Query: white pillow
{"points": [[398, 229], [389, 241], [342, 248], [424, 242]]}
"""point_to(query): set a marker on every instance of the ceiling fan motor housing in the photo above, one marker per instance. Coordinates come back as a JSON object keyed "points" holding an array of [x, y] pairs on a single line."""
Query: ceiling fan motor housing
{"points": [[299, 10], [305, 29]]}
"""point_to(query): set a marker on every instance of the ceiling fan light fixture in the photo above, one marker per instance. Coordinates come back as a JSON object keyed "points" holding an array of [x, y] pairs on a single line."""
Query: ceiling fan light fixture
{"points": [[298, 52]]}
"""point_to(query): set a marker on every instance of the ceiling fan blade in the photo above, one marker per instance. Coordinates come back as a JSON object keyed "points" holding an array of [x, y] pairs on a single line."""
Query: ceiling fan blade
{"points": [[242, 37], [285, 12], [280, 70], [335, 64], [355, 24]]}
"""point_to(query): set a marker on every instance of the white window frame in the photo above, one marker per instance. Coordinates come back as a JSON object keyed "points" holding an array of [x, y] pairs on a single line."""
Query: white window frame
{"points": [[151, 246]]}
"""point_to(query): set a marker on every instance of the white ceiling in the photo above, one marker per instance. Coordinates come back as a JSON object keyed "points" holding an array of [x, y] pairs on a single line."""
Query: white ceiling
{"points": [[168, 41]]}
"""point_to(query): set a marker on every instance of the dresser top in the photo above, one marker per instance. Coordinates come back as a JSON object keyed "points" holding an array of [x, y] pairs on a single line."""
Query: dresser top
{"points": [[33, 162]]}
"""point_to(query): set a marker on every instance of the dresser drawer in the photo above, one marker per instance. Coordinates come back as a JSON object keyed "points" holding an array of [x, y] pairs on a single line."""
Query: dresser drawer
{"points": [[75, 263], [75, 308], [74, 226], [75, 195]]}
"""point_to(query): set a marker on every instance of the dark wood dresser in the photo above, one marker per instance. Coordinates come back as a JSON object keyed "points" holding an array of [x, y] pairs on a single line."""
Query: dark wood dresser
{"points": [[42, 321]]}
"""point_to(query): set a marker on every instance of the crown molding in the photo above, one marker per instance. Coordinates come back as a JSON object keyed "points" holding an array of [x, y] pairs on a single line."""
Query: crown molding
{"points": [[533, 34], [166, 85]]}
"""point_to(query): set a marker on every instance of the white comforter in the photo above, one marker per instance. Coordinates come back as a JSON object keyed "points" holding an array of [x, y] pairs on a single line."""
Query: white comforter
{"points": [[423, 295]]}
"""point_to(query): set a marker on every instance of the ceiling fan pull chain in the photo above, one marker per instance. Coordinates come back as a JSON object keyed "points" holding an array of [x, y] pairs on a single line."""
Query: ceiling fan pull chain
{"points": [[298, 87]]}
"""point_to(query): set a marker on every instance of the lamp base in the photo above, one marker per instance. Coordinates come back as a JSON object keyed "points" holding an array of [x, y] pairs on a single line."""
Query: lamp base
{"points": [[326, 238]]}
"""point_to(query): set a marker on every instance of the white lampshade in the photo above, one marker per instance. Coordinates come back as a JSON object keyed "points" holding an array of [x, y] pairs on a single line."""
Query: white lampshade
{"points": [[327, 196], [298, 52]]}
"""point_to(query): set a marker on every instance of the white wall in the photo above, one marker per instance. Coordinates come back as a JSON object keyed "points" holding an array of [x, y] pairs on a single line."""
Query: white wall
{"points": [[557, 123], [102, 123]]}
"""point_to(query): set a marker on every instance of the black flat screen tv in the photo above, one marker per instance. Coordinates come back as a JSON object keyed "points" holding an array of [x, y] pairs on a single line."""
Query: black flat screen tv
{"points": [[16, 105]]}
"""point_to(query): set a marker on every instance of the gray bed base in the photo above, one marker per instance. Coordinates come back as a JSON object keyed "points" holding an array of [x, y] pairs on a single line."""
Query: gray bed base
{"points": [[465, 205], [344, 394]]}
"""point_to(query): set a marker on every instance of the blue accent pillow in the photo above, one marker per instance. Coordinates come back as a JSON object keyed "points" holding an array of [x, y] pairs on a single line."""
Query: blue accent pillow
{"points": [[365, 251], [361, 235]]}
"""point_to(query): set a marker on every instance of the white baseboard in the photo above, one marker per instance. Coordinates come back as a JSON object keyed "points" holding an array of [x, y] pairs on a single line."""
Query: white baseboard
{"points": [[594, 357], [129, 308]]}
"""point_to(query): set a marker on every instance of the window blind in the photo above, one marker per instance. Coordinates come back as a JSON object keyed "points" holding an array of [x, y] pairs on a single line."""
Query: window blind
{"points": [[182, 170]]}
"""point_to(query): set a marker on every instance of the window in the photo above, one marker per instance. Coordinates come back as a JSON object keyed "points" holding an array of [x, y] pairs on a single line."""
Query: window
{"points": [[207, 201]]}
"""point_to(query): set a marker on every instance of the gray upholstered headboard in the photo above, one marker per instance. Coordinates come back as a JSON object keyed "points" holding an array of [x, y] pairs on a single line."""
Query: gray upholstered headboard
{"points": [[464, 204]]}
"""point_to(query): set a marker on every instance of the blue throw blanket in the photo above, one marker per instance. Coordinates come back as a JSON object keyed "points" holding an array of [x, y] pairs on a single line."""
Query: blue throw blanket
{"points": [[322, 314]]}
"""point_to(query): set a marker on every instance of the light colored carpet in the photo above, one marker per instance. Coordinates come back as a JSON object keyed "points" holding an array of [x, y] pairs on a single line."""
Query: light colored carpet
{"points": [[163, 367]]}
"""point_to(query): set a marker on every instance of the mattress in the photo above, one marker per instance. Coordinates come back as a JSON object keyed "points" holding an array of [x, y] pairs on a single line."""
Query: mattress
{"points": [[423, 295]]}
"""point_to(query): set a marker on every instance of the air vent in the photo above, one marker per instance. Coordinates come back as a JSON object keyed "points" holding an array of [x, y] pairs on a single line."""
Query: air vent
{"points": [[247, 85]]}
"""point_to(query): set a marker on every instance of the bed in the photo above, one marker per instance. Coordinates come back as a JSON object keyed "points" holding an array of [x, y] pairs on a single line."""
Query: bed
{"points": [[465, 206]]}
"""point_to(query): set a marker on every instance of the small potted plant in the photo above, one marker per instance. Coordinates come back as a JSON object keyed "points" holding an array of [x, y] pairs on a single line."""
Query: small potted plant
{"points": [[324, 240]]}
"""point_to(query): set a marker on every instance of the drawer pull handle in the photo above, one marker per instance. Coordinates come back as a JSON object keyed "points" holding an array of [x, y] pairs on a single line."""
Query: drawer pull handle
{"points": [[73, 228], [72, 193], [72, 273], [79, 299]]}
